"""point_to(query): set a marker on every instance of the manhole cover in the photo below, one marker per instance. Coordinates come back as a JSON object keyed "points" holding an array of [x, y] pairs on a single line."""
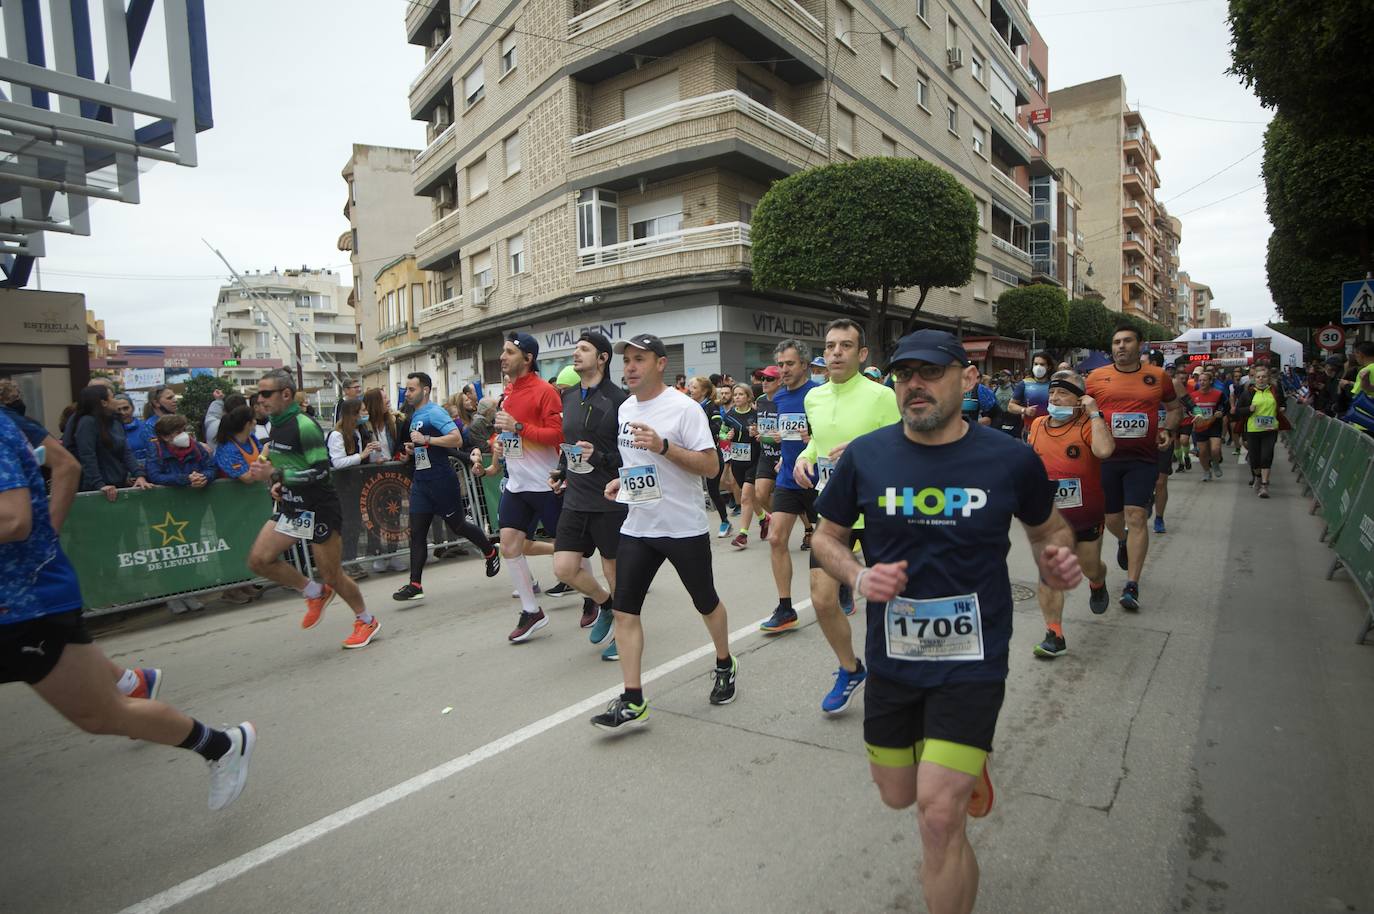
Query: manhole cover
{"points": [[1021, 593]]}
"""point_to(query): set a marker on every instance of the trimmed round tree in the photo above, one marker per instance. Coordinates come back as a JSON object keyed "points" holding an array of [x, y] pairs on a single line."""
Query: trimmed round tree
{"points": [[872, 226], [1307, 286], [1090, 326], [1042, 307]]}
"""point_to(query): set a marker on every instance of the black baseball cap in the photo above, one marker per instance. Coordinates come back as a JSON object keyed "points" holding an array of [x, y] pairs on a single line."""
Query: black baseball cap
{"points": [[935, 346], [596, 339], [646, 341], [525, 343]]}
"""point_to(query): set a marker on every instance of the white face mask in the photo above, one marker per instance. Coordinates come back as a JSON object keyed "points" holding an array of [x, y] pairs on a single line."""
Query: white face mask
{"points": [[182, 440], [1039, 371]]}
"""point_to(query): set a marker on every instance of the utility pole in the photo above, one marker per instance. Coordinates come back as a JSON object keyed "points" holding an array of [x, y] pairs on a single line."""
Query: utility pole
{"points": [[300, 376]]}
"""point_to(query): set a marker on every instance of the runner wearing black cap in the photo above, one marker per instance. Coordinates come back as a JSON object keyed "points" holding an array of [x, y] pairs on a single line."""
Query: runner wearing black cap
{"points": [[938, 496], [588, 461], [666, 449], [770, 446]]}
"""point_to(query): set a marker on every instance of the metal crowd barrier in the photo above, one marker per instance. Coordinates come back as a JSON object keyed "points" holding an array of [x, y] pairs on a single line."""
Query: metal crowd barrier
{"points": [[1333, 461]]}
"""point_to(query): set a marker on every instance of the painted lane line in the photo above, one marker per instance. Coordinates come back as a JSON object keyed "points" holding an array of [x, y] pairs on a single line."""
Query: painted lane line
{"points": [[217, 876]]}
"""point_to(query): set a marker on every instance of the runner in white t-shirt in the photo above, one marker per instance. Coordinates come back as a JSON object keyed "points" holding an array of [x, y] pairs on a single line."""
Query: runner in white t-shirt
{"points": [[666, 449]]}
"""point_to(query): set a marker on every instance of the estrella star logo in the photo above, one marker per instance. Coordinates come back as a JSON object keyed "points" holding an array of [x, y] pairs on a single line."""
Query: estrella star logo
{"points": [[172, 530]]}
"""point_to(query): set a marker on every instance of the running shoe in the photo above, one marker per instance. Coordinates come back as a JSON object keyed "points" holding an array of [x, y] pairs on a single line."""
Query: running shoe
{"points": [[723, 688], [764, 523], [734, 510], [847, 599], [1216, 469], [980, 802], [1051, 647], [1251, 483], [1206, 474], [1130, 598], [724, 530], [493, 562], [515, 594], [149, 684], [314, 607], [559, 590], [1159, 527], [806, 540], [740, 541], [1098, 600], [409, 593], [780, 621], [601, 628], [1263, 490], [621, 714], [589, 612], [846, 684], [528, 624], [1187, 463], [1121, 554], [229, 772], [610, 653], [363, 633]]}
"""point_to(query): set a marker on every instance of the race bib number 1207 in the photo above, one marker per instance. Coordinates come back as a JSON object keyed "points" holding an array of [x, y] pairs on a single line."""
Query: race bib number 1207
{"points": [[1068, 493]]}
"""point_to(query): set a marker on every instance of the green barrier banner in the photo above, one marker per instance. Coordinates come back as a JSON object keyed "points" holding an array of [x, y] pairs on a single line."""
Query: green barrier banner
{"points": [[1344, 475], [163, 541], [1355, 541]]}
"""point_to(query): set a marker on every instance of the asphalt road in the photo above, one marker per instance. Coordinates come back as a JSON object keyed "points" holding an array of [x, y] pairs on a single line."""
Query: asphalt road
{"points": [[1208, 754]]}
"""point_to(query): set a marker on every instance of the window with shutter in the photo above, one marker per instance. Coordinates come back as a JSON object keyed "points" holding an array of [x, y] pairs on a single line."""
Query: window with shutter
{"points": [[651, 95]]}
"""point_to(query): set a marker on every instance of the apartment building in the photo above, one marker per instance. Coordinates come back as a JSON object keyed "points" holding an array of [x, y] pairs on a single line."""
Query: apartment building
{"points": [[1170, 236], [400, 288], [597, 165], [384, 216], [1202, 304], [98, 346], [1216, 318], [263, 318], [1107, 147]]}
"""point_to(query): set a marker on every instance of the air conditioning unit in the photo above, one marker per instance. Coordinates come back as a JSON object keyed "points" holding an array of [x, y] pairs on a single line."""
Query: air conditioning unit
{"points": [[956, 58], [445, 196], [479, 296], [442, 118]]}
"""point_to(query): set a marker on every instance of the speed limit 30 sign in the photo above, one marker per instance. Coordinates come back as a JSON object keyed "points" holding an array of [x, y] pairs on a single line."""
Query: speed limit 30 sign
{"points": [[1331, 337]]}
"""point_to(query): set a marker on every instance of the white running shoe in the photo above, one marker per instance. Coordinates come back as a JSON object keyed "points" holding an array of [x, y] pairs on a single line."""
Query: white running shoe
{"points": [[230, 773]]}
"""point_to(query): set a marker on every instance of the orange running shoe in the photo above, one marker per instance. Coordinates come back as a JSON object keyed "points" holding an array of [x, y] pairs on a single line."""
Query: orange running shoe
{"points": [[314, 607], [980, 803], [363, 633]]}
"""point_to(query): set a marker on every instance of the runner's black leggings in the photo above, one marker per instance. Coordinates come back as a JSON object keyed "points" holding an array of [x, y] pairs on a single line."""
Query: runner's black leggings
{"points": [[713, 488], [1261, 448], [419, 539]]}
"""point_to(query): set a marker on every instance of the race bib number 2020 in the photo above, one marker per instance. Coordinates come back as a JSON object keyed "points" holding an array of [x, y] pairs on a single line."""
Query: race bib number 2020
{"points": [[1130, 425]]}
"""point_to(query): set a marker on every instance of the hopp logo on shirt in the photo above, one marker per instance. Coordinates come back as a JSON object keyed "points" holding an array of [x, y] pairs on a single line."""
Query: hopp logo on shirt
{"points": [[931, 501]]}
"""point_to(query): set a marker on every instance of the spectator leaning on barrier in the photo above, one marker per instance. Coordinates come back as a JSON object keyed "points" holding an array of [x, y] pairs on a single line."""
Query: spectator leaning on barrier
{"points": [[381, 425], [238, 455], [97, 438], [176, 458], [345, 442], [135, 433]]}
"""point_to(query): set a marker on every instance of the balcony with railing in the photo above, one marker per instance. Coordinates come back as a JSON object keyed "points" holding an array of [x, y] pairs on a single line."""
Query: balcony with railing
{"points": [[680, 127], [439, 309], [1133, 213], [683, 241], [1005, 183], [437, 244], [1010, 61], [1134, 241], [1135, 179], [771, 30], [436, 162], [434, 77], [1007, 247]]}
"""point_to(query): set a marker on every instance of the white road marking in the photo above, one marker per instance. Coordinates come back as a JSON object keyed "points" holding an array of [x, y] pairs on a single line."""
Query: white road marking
{"points": [[217, 876]]}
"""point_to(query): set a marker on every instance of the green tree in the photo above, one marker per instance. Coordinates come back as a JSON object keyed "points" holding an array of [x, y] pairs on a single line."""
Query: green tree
{"points": [[1307, 287], [1320, 189], [197, 395], [1042, 307], [874, 226], [1090, 325], [1308, 59]]}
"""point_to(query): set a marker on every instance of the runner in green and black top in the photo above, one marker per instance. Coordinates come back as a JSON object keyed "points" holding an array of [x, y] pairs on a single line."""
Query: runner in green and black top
{"points": [[739, 445], [308, 509]]}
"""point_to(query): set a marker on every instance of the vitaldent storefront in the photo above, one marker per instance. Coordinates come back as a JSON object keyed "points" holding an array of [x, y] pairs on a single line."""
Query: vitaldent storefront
{"points": [[704, 338]]}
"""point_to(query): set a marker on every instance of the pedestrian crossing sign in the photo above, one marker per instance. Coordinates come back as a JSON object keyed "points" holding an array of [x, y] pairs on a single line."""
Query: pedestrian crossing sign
{"points": [[1357, 302]]}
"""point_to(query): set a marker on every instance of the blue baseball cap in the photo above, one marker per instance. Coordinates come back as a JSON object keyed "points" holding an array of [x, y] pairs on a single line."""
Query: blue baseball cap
{"points": [[818, 362], [937, 347]]}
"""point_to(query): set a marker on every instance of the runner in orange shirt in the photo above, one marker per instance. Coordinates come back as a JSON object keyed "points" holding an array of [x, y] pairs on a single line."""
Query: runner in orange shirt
{"points": [[1072, 441], [1130, 394], [1209, 406]]}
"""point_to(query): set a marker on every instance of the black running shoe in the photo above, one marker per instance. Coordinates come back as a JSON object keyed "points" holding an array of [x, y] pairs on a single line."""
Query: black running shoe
{"points": [[620, 716], [494, 562], [723, 690], [1098, 600], [1121, 561], [409, 593], [560, 590], [1052, 646]]}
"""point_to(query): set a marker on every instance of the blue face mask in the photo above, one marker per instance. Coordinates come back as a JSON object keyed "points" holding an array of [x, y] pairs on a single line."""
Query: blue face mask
{"points": [[1060, 412]]}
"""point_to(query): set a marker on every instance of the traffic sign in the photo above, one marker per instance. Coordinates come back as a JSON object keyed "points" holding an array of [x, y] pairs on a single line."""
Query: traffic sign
{"points": [[1357, 302], [1331, 338]]}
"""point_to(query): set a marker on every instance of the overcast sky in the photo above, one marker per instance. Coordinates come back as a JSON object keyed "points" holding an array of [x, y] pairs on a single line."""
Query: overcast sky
{"points": [[296, 83]]}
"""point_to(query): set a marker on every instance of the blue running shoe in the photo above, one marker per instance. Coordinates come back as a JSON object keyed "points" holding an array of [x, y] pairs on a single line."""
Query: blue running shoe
{"points": [[610, 653], [847, 599], [782, 620], [846, 684], [1130, 598], [601, 628], [1159, 525]]}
